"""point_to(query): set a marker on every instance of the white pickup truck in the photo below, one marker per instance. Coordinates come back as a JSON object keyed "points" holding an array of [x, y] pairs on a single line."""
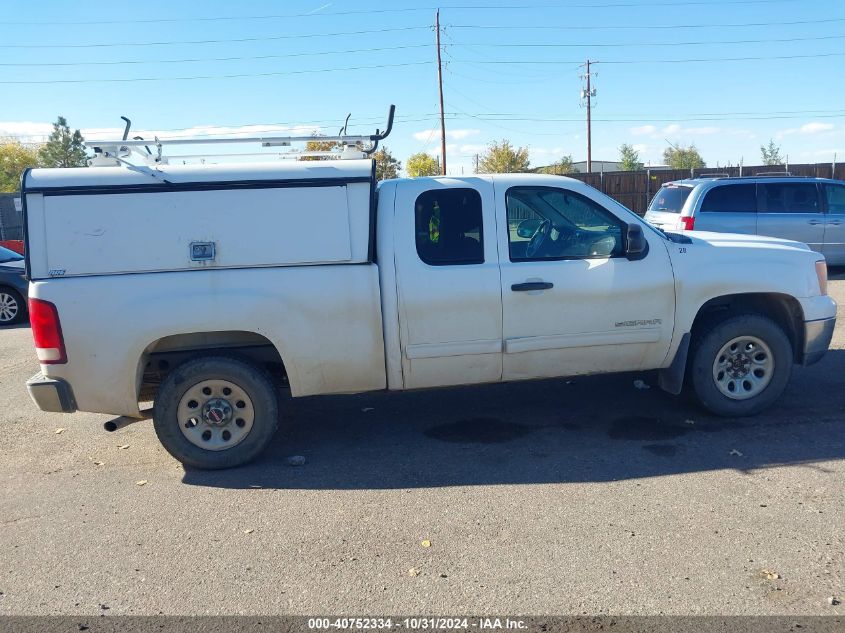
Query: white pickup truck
{"points": [[208, 289]]}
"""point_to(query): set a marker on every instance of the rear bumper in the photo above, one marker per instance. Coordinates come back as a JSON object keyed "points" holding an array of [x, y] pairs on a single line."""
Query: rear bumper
{"points": [[817, 336], [51, 394]]}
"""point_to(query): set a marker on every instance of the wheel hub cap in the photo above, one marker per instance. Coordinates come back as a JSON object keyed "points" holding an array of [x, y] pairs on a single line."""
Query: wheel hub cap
{"points": [[743, 367], [215, 414], [8, 307]]}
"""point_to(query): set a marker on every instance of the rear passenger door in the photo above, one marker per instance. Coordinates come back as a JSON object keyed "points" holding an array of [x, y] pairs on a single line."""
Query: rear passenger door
{"points": [[447, 282], [834, 233], [791, 210], [728, 208]]}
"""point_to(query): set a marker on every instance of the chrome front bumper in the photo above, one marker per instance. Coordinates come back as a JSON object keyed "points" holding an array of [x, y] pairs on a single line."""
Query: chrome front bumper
{"points": [[51, 394], [817, 336]]}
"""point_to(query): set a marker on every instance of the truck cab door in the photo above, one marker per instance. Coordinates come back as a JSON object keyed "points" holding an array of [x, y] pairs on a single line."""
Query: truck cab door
{"points": [[573, 303], [447, 282]]}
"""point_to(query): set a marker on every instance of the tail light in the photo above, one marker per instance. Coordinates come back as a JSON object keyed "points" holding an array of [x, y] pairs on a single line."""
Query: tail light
{"points": [[688, 223], [47, 332]]}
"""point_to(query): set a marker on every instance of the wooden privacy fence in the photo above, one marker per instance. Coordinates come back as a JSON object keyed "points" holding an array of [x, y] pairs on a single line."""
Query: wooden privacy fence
{"points": [[635, 189]]}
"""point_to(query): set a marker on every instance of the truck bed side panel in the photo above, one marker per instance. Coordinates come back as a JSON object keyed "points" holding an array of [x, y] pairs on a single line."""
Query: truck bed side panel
{"points": [[325, 321]]}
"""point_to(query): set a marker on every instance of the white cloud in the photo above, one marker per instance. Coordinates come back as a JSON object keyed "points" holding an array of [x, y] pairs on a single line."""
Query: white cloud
{"points": [[28, 131], [642, 148], [815, 128], [455, 135], [675, 130], [643, 130]]}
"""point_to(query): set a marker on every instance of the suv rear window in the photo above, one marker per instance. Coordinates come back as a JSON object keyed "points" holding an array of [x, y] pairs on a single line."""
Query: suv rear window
{"points": [[731, 199], [670, 199]]}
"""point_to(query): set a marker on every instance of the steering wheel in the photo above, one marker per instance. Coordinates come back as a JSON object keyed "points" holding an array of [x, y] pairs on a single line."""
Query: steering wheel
{"points": [[538, 238]]}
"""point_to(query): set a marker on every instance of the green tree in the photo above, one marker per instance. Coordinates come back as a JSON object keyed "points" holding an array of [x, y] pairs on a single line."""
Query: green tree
{"points": [[771, 154], [14, 158], [629, 158], [387, 166], [422, 164], [563, 167], [679, 157], [64, 148], [319, 146], [502, 158]]}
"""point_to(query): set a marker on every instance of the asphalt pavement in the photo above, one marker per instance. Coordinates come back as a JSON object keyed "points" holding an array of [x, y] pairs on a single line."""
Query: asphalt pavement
{"points": [[584, 496]]}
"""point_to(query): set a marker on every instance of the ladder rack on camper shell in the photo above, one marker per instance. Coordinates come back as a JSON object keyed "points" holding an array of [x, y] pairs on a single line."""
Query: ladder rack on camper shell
{"points": [[116, 152]]}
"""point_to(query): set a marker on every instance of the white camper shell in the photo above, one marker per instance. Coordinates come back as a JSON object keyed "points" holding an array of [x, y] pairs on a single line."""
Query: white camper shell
{"points": [[113, 220]]}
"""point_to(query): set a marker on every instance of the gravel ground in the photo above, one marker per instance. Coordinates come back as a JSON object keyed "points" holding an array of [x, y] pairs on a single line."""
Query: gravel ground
{"points": [[555, 497]]}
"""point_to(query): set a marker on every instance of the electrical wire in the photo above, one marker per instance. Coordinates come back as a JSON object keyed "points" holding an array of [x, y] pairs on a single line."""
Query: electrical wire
{"points": [[640, 27], [199, 77], [654, 61], [267, 38], [217, 59], [650, 44], [311, 14]]}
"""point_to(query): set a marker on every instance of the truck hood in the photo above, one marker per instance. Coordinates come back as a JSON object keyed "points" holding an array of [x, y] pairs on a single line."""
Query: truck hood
{"points": [[738, 240]]}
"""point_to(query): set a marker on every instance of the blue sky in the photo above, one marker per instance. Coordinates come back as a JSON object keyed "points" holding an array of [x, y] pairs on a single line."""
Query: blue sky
{"points": [[511, 71]]}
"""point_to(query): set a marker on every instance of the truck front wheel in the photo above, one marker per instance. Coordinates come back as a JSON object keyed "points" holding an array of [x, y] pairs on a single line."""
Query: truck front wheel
{"points": [[216, 412], [740, 365]]}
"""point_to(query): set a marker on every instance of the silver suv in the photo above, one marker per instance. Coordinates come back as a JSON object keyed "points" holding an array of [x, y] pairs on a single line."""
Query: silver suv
{"points": [[809, 210]]}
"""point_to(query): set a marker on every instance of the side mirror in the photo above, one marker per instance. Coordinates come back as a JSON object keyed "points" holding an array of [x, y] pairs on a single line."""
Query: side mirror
{"points": [[527, 228], [636, 245]]}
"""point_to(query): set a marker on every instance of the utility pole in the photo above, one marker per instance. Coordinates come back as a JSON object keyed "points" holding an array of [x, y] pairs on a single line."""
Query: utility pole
{"points": [[587, 95], [440, 85]]}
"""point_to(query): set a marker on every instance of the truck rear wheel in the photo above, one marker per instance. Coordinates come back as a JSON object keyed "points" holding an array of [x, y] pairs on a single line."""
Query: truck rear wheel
{"points": [[740, 365], [216, 412]]}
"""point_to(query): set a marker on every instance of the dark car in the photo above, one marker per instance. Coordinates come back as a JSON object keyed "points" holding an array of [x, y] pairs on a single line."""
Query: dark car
{"points": [[13, 287]]}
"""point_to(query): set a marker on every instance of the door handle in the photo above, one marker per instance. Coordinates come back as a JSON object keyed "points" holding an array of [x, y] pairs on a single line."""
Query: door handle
{"points": [[815, 222], [532, 285], [835, 222]]}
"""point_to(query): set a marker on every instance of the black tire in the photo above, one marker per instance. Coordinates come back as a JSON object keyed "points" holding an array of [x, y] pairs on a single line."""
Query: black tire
{"points": [[709, 341], [21, 306], [250, 378]]}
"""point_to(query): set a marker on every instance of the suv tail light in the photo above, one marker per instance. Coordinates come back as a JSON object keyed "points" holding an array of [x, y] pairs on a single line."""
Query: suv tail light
{"points": [[688, 223], [47, 332]]}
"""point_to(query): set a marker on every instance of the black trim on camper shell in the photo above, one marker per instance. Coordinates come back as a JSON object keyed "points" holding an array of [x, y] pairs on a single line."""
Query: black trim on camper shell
{"points": [[371, 249], [25, 221], [217, 185]]}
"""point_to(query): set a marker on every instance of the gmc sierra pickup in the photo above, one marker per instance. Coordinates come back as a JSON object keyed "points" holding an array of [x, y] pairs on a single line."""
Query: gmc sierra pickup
{"points": [[206, 289]]}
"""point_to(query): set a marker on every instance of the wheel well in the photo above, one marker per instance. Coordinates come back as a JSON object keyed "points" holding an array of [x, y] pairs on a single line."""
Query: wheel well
{"points": [[162, 355], [783, 309]]}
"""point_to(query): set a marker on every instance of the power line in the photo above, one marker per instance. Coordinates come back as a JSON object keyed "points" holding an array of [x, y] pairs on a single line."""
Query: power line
{"points": [[216, 59], [312, 14], [654, 61], [638, 44], [267, 38], [639, 27], [200, 77]]}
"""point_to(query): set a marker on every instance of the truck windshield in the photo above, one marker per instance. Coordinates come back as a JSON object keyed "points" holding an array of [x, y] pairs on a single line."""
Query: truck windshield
{"points": [[7, 255], [670, 199]]}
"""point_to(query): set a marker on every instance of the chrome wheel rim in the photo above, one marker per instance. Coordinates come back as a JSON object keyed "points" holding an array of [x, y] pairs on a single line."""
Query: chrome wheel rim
{"points": [[9, 307], [215, 415], [743, 367]]}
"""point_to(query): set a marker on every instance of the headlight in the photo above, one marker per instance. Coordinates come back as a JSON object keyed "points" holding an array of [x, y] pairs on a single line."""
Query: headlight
{"points": [[821, 273]]}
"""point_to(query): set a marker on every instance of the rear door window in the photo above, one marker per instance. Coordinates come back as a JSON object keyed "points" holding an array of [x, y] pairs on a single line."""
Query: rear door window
{"points": [[448, 226], [835, 199], [797, 197], [670, 199], [731, 199]]}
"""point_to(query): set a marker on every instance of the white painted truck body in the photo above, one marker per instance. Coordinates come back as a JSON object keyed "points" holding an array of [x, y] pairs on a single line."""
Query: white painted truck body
{"points": [[313, 263]]}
